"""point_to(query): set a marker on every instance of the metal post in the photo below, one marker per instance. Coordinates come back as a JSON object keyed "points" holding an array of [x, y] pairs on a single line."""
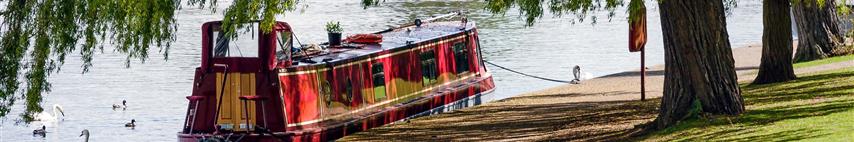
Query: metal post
{"points": [[264, 115], [221, 93], [187, 118], [643, 76], [246, 111], [195, 110]]}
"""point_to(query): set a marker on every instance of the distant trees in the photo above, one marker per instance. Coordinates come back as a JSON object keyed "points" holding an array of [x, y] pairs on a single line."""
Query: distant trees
{"points": [[819, 35], [818, 28], [38, 34]]}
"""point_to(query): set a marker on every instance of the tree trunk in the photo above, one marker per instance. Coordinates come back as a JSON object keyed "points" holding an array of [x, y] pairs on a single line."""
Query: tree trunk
{"points": [[699, 70], [776, 63], [818, 29]]}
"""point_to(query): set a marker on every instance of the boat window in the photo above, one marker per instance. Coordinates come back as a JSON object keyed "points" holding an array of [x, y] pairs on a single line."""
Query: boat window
{"points": [[285, 45], [326, 91], [245, 44], [347, 95], [461, 55], [378, 77], [428, 68]]}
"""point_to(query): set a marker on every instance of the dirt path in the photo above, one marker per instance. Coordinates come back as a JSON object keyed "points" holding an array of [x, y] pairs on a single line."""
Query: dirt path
{"points": [[595, 110]]}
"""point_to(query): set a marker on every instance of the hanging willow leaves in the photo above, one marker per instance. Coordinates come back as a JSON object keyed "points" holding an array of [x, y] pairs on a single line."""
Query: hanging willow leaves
{"points": [[532, 10], [37, 35]]}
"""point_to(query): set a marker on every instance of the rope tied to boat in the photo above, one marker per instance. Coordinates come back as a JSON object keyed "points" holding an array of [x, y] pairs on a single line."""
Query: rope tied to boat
{"points": [[529, 75]]}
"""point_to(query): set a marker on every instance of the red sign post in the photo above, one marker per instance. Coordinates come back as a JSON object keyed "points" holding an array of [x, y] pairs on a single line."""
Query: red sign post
{"points": [[637, 37]]}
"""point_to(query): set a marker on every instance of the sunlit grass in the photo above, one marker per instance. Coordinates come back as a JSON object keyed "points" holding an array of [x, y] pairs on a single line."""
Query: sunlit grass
{"points": [[816, 107], [848, 58], [837, 59]]}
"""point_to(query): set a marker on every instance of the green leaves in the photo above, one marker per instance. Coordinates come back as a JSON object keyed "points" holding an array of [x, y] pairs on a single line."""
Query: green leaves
{"points": [[334, 27], [14, 41], [244, 11], [533, 9], [37, 35], [635, 8]]}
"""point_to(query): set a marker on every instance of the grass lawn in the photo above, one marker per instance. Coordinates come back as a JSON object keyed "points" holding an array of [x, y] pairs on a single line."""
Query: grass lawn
{"points": [[849, 58], [846, 58], [816, 107]]}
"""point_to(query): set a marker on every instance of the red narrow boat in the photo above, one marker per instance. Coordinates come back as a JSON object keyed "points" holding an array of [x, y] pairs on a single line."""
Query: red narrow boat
{"points": [[260, 87]]}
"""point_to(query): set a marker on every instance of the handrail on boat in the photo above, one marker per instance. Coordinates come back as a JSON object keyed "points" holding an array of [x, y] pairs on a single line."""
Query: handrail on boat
{"points": [[419, 21]]}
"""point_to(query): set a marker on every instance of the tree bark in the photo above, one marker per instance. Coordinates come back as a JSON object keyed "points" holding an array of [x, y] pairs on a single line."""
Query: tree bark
{"points": [[776, 65], [699, 70], [818, 29]]}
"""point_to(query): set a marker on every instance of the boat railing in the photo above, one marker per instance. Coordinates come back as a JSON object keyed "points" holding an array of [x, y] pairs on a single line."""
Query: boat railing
{"points": [[419, 21]]}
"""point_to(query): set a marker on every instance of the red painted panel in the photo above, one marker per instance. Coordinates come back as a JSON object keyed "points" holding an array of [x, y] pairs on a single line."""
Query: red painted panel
{"points": [[301, 100]]}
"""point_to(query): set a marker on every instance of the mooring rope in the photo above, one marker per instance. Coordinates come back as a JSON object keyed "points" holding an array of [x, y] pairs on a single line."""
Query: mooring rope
{"points": [[525, 74]]}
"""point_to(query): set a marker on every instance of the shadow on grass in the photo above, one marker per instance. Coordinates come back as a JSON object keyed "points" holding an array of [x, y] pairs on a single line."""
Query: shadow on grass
{"points": [[660, 72], [823, 85], [541, 118], [515, 122], [552, 96], [807, 97]]}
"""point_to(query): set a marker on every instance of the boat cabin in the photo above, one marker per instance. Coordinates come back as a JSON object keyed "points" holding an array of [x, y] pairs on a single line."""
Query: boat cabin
{"points": [[260, 84], [236, 66]]}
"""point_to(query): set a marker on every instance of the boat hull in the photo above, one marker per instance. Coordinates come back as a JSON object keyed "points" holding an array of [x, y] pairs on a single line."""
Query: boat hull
{"points": [[333, 92], [426, 105]]}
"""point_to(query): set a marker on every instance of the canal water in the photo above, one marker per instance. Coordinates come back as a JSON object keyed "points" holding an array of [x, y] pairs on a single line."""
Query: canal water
{"points": [[155, 90]]}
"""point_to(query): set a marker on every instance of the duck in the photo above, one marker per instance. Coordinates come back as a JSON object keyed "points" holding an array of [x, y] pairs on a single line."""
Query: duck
{"points": [[122, 106], [131, 124], [40, 132], [85, 132], [48, 117]]}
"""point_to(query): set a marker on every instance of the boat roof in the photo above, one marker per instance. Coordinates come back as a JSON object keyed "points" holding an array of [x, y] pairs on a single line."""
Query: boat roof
{"points": [[393, 39]]}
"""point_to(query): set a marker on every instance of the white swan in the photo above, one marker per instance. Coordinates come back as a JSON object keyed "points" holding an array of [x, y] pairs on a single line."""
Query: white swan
{"points": [[47, 117], [579, 75], [85, 132]]}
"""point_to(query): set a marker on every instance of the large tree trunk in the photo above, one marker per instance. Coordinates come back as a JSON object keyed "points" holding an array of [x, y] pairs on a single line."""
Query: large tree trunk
{"points": [[699, 70], [776, 63], [818, 29]]}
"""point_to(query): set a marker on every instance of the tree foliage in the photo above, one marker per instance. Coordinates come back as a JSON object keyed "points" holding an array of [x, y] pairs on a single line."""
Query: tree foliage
{"points": [[533, 9], [37, 35]]}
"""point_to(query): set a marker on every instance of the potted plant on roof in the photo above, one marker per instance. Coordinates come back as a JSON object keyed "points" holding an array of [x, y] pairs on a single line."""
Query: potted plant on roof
{"points": [[334, 30]]}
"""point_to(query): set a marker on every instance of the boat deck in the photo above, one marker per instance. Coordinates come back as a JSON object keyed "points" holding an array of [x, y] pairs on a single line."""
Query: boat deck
{"points": [[396, 38]]}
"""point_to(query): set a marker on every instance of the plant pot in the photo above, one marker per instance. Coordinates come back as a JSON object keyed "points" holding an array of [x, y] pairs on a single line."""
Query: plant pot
{"points": [[334, 39]]}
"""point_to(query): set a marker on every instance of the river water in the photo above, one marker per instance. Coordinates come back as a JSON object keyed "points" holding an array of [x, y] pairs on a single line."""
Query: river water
{"points": [[155, 90]]}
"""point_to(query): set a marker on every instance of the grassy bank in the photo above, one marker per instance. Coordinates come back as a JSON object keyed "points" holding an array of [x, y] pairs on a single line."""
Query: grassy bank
{"points": [[816, 107], [848, 58]]}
